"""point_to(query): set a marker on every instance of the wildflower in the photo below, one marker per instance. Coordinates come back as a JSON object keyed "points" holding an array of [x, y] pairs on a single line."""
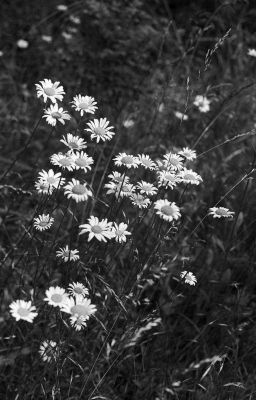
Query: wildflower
{"points": [[181, 116], [188, 153], [43, 187], [101, 230], [161, 165], [166, 210], [46, 38], [100, 130], [67, 255], [66, 35], [139, 201], [146, 188], [189, 277], [120, 232], [63, 160], [128, 123], [55, 113], [48, 350], [79, 307], [126, 160], [120, 189], [62, 7], [202, 103], [24, 310], [50, 90], [117, 177], [189, 176], [73, 142], [54, 180], [84, 104], [168, 179], [75, 20], [77, 191], [77, 288], [82, 161], [146, 161], [22, 44], [174, 161], [56, 296], [43, 222], [252, 52], [219, 212], [78, 322]]}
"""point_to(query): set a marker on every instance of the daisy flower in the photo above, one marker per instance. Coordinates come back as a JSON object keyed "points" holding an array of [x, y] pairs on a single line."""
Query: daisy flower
{"points": [[84, 104], [55, 113], [43, 222], [82, 161], [126, 160], [117, 177], [78, 322], [166, 210], [168, 179], [181, 116], [188, 153], [67, 255], [174, 161], [146, 161], [63, 160], [56, 296], [219, 212], [146, 188], [120, 189], [101, 230], [140, 201], [73, 142], [120, 232], [43, 187], [128, 123], [50, 177], [100, 130], [252, 52], [21, 309], [189, 176], [79, 307], [77, 288], [48, 350], [50, 90], [188, 277], [202, 103], [77, 191]]}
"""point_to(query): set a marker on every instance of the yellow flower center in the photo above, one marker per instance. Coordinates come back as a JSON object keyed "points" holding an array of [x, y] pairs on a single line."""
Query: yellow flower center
{"points": [[81, 162], [49, 91], [84, 105], [23, 312], [80, 310], [99, 131], [96, 229], [127, 160], [56, 115], [167, 210], [56, 298], [79, 189], [65, 162]]}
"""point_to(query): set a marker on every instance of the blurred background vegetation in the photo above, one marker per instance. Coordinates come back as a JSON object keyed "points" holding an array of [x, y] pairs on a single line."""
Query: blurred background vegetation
{"points": [[144, 60]]}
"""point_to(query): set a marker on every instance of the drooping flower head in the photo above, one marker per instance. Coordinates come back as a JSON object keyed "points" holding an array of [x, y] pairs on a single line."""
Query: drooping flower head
{"points": [[67, 255], [221, 212], [74, 142], [189, 176], [168, 179], [188, 153], [54, 180], [63, 161], [189, 277], [43, 222], [120, 232], [146, 162]]}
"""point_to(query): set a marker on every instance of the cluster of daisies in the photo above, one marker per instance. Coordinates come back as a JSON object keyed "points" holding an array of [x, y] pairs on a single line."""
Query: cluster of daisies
{"points": [[74, 302], [167, 173]]}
